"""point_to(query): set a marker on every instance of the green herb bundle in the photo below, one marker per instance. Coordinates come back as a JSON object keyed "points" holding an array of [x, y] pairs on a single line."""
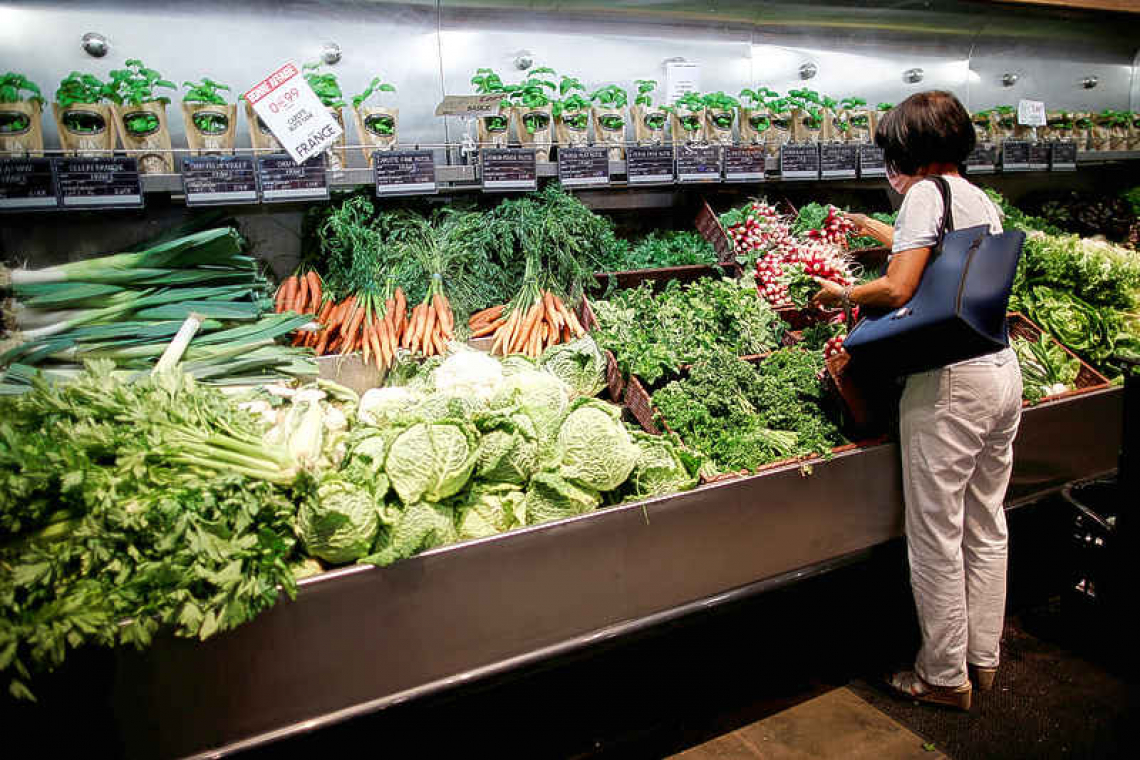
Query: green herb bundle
{"points": [[667, 248], [652, 336]]}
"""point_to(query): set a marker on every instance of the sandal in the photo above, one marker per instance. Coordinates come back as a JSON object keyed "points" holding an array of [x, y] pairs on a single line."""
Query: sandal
{"points": [[910, 685], [983, 677]]}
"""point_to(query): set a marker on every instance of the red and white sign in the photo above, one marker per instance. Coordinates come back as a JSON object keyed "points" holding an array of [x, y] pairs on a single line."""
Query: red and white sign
{"points": [[294, 113]]}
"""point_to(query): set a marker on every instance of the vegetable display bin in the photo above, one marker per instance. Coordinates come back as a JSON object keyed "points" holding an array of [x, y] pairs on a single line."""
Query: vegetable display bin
{"points": [[378, 128], [260, 137], [85, 129], [688, 126], [573, 128], [649, 124], [211, 129], [21, 128], [144, 128], [609, 130], [350, 371], [534, 128]]}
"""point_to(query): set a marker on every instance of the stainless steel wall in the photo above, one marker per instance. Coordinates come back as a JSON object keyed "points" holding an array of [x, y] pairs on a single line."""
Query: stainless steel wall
{"points": [[432, 47]]}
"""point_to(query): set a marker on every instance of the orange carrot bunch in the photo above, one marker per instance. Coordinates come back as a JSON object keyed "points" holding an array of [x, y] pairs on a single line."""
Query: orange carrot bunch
{"points": [[301, 292], [534, 321], [431, 325], [368, 323]]}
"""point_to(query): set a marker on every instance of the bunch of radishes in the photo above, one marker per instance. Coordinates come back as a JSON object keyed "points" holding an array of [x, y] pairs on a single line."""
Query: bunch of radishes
{"points": [[761, 228], [816, 259], [833, 347], [835, 230]]}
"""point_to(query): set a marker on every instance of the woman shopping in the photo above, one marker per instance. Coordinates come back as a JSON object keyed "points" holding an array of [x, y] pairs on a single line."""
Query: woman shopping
{"points": [[956, 423]]}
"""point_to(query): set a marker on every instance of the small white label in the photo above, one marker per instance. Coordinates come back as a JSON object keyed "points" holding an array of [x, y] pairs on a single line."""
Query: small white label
{"points": [[681, 77], [1031, 113], [293, 113], [470, 105]]}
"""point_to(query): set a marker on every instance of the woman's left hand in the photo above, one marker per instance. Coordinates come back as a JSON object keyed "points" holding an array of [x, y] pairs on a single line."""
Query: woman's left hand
{"points": [[830, 294]]}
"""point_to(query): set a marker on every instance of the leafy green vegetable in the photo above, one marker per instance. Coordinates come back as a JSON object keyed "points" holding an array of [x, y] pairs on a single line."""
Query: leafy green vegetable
{"points": [[490, 508], [595, 450], [420, 526], [578, 363], [1085, 329], [132, 508], [652, 336], [664, 466], [550, 497], [340, 524], [432, 461], [670, 248], [1046, 369], [744, 416], [13, 84]]}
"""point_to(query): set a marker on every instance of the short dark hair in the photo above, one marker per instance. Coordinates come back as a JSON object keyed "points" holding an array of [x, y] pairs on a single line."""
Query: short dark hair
{"points": [[927, 128]]}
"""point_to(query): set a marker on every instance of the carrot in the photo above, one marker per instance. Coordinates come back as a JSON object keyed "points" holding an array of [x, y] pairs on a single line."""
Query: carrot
{"points": [[326, 310], [428, 326], [354, 325], [487, 330], [552, 312], [450, 316], [279, 299], [289, 285], [486, 315], [440, 316], [419, 316], [367, 353], [503, 331], [302, 302], [384, 344], [521, 340], [401, 304], [314, 289]]}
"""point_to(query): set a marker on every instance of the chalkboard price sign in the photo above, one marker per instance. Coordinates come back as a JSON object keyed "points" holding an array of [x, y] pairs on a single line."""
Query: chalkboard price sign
{"points": [[1063, 157], [871, 163], [981, 160], [583, 167], [698, 163], [209, 180], [799, 161], [649, 165], [404, 172], [744, 163], [27, 183], [1015, 156], [102, 182], [1039, 156], [838, 161], [283, 179], [509, 169]]}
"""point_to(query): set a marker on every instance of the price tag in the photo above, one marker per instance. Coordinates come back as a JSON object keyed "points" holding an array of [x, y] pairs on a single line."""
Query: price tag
{"points": [[404, 172], [294, 114], [27, 183], [1031, 113], [209, 180], [470, 105], [981, 160], [871, 163], [698, 164], [649, 165], [744, 163], [799, 161], [509, 169], [583, 167], [1015, 156], [1039, 156], [282, 179], [1064, 156], [102, 182], [838, 161], [709, 226]]}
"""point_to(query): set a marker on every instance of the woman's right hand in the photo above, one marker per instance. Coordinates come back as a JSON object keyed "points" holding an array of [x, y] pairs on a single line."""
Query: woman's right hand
{"points": [[859, 220], [869, 227]]}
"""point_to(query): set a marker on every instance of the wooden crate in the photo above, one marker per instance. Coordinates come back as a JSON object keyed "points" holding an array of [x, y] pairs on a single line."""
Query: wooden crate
{"points": [[1088, 379]]}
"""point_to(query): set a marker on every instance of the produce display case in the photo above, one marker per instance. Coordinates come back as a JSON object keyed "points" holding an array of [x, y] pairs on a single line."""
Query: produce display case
{"points": [[361, 639]]}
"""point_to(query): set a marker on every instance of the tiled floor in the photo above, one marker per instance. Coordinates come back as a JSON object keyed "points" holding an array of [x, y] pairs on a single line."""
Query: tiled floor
{"points": [[837, 724]]}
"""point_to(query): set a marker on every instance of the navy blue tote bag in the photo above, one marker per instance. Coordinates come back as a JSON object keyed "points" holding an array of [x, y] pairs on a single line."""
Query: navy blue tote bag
{"points": [[957, 312]]}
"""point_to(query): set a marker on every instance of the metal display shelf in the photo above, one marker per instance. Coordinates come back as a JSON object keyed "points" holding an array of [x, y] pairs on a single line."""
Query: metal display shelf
{"points": [[464, 177], [361, 639]]}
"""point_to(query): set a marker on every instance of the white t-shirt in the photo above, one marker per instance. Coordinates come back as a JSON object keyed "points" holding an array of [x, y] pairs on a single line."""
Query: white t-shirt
{"points": [[921, 212]]}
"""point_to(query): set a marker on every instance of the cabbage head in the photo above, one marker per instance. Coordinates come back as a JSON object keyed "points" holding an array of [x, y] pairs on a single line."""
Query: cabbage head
{"points": [[580, 364], [379, 406], [664, 466], [431, 461], [539, 395], [340, 523], [516, 363], [595, 450], [441, 406], [550, 497], [490, 508], [508, 451], [364, 461], [422, 525]]}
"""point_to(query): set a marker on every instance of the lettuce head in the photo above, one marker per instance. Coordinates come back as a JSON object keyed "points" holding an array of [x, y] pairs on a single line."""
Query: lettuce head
{"points": [[579, 363], [594, 448], [432, 460], [340, 523]]}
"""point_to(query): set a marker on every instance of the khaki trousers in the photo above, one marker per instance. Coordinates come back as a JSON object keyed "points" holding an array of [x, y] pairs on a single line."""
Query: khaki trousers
{"points": [[957, 426]]}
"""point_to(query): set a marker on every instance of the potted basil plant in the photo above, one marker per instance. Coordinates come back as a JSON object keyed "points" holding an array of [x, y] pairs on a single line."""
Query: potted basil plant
{"points": [[807, 115], [493, 130], [327, 88], [21, 112], [781, 111], [720, 115], [84, 118], [648, 120], [689, 119], [1133, 130], [571, 113], [877, 115], [532, 110], [211, 122], [755, 119], [1058, 126], [377, 125], [609, 119], [140, 115], [854, 120]]}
